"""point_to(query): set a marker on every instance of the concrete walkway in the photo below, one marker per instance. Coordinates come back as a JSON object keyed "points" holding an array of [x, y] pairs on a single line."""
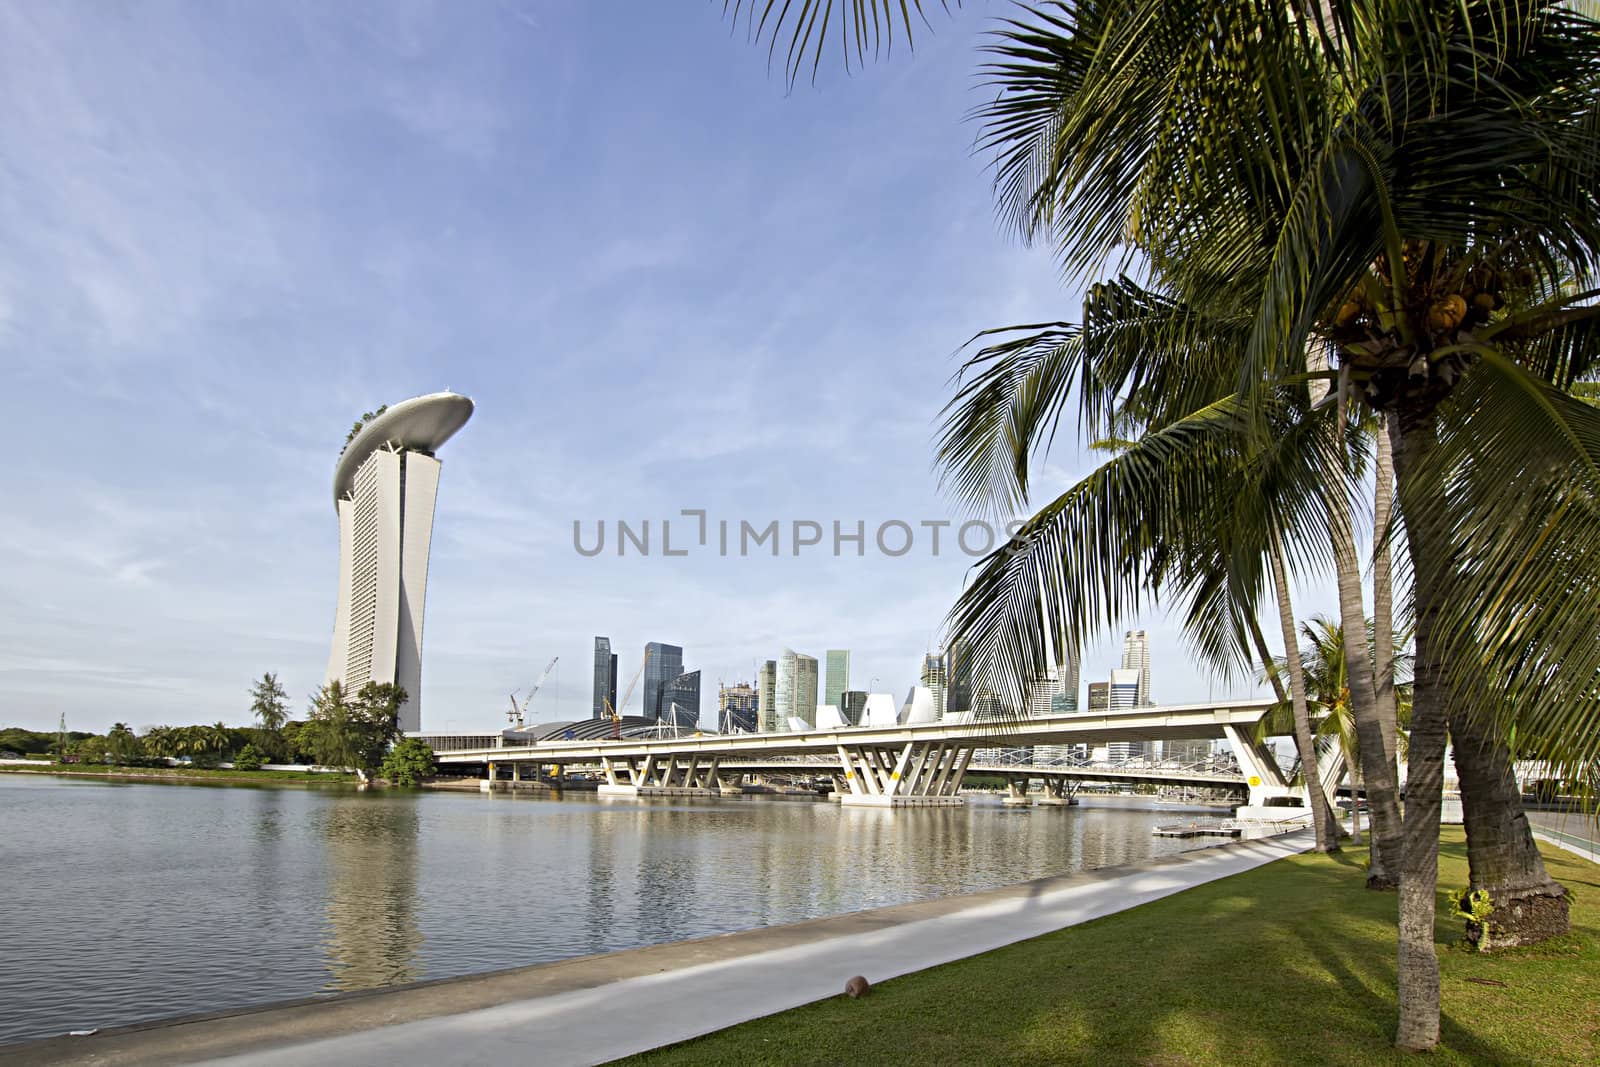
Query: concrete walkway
{"points": [[599, 1008]]}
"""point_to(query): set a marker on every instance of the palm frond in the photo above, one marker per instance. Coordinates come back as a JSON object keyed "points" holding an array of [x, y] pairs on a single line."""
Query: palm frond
{"points": [[803, 29]]}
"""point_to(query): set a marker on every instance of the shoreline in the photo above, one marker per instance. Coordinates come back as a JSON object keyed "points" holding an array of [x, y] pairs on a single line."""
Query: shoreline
{"points": [[187, 776], [676, 990]]}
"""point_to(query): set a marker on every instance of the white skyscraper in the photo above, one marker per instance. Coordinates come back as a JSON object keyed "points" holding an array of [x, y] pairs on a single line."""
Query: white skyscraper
{"points": [[796, 690], [1124, 695], [384, 488], [1136, 657]]}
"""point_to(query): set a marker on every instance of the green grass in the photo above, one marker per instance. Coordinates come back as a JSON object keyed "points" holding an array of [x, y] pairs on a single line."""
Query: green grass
{"points": [[190, 774], [1292, 963]]}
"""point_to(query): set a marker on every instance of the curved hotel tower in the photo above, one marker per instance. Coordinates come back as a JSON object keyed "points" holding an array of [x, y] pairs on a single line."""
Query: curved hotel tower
{"points": [[384, 489]]}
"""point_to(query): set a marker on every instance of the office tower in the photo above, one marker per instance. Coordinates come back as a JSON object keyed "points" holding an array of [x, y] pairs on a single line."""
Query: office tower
{"points": [[853, 705], [662, 665], [1136, 657], [935, 678], [384, 487], [1124, 689], [1044, 693], [1195, 751], [680, 701], [838, 676], [737, 707], [767, 697], [796, 689], [1117, 751], [1124, 693], [1099, 696], [958, 679], [1071, 680], [605, 678]]}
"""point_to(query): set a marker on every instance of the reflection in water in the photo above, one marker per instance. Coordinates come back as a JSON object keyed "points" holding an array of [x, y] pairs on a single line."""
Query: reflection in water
{"points": [[372, 933], [209, 898]]}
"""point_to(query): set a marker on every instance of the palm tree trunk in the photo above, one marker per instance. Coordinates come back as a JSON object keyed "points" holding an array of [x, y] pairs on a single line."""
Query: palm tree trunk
{"points": [[1355, 805], [1322, 820], [1422, 499], [1503, 858], [1384, 802], [1383, 590]]}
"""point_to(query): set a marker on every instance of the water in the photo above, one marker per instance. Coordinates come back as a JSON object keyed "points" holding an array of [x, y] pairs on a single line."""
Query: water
{"points": [[125, 902]]}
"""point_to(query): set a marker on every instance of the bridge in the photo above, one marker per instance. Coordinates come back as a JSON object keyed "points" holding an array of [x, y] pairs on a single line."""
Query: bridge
{"points": [[910, 764]]}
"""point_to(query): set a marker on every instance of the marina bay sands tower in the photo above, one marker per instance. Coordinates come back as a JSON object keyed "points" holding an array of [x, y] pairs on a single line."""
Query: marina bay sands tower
{"points": [[384, 488]]}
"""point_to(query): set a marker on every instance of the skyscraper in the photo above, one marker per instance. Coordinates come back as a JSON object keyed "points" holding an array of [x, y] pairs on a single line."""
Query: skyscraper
{"points": [[664, 663], [737, 708], [935, 678], [838, 676], [1136, 657], [1099, 696], [767, 697], [1046, 694], [853, 706], [1124, 695], [605, 677], [796, 689], [680, 701], [384, 487], [1071, 680], [1124, 689], [958, 679]]}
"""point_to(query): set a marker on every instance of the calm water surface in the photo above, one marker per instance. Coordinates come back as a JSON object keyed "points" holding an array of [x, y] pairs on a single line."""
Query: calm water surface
{"points": [[126, 902]]}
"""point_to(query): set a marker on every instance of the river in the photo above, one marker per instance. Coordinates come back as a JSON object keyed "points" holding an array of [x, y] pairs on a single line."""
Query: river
{"points": [[126, 902]]}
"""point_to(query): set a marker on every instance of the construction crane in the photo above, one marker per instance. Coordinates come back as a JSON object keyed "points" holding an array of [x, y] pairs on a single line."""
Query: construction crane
{"points": [[616, 718], [515, 715]]}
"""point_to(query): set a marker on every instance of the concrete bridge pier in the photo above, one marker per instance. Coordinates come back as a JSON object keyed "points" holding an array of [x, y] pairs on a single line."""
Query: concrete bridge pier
{"points": [[1058, 792], [1017, 792], [661, 776], [916, 774]]}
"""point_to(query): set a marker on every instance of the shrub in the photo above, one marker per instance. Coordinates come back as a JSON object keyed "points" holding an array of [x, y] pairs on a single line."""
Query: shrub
{"points": [[248, 759]]}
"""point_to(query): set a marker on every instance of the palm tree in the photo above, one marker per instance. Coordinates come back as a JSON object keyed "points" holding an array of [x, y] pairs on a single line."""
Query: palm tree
{"points": [[269, 703], [1409, 187]]}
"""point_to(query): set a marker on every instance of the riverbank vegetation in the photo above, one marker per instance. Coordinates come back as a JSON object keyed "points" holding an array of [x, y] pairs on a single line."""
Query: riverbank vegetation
{"points": [[349, 731], [1293, 962]]}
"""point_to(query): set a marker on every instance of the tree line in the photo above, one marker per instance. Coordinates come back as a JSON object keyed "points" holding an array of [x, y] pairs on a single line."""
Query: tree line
{"points": [[356, 731]]}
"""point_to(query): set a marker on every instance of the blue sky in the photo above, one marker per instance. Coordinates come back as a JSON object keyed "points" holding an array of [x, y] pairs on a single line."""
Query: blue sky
{"points": [[666, 282]]}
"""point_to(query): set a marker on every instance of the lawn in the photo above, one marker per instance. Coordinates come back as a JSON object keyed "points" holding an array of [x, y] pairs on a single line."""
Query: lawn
{"points": [[1292, 963]]}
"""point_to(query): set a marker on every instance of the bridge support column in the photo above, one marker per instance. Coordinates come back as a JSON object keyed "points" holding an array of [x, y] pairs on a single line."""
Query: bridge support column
{"points": [[903, 777], [1059, 791], [1017, 792], [487, 784], [1272, 798]]}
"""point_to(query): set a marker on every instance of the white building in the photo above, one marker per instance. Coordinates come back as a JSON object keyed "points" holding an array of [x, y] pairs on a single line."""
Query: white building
{"points": [[795, 691], [384, 488], [1136, 657]]}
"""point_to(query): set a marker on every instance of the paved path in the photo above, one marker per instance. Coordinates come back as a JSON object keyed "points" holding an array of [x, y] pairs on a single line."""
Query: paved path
{"points": [[596, 1009], [1576, 832]]}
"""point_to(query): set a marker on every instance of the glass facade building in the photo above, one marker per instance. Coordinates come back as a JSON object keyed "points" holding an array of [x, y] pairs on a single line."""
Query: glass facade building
{"points": [[838, 680], [605, 677], [680, 701], [796, 689], [664, 663]]}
